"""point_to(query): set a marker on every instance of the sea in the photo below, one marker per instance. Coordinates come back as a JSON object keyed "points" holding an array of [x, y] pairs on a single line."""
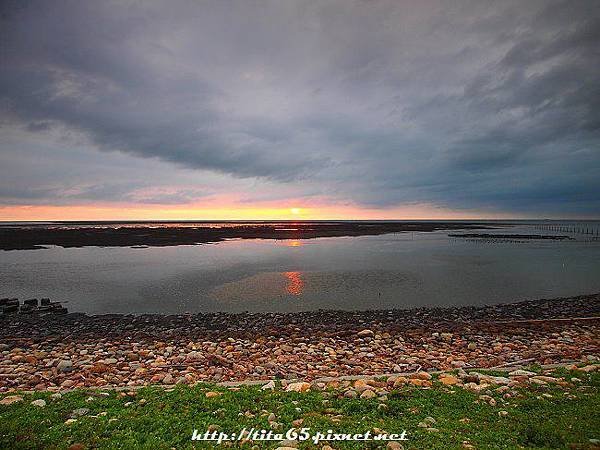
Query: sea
{"points": [[391, 271]]}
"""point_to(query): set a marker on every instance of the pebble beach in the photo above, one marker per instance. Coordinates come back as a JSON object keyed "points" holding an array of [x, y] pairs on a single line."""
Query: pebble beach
{"points": [[48, 352]]}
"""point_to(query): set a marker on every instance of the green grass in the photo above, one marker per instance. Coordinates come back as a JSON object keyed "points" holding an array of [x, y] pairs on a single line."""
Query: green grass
{"points": [[167, 418]]}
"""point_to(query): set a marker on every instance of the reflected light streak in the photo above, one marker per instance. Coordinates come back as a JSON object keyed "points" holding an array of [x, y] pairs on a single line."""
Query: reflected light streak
{"points": [[295, 284]]}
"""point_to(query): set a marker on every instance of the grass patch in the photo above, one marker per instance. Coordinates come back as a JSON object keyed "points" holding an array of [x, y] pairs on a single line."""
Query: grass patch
{"points": [[539, 417]]}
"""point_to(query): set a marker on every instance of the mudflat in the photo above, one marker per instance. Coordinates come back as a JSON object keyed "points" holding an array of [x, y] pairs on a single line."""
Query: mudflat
{"points": [[155, 235]]}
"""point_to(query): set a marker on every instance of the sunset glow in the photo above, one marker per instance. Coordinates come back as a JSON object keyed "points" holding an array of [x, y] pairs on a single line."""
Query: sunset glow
{"points": [[228, 212]]}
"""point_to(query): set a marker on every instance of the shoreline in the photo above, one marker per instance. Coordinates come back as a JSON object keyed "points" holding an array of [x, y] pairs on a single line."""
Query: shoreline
{"points": [[50, 352]]}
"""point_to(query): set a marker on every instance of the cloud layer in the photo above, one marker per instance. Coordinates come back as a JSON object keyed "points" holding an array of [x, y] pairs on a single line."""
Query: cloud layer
{"points": [[470, 105]]}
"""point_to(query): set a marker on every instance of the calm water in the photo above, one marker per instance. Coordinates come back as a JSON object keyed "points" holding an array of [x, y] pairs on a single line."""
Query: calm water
{"points": [[389, 271]]}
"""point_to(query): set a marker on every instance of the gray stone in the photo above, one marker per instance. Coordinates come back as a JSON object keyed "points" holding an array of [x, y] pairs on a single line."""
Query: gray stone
{"points": [[64, 365]]}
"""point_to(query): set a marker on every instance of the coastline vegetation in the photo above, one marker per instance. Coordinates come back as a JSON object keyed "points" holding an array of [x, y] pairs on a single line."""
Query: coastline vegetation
{"points": [[440, 417]]}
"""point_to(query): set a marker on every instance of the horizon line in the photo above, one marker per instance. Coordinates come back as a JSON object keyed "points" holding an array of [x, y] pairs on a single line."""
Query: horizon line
{"points": [[295, 220]]}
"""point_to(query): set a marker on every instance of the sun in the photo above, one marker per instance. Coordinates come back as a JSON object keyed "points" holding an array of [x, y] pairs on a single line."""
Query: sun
{"points": [[295, 211]]}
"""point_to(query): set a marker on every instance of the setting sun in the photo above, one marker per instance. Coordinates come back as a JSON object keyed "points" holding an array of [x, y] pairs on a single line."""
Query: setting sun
{"points": [[295, 211]]}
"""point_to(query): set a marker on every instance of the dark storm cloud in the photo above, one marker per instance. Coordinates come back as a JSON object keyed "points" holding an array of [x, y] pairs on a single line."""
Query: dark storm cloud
{"points": [[468, 105]]}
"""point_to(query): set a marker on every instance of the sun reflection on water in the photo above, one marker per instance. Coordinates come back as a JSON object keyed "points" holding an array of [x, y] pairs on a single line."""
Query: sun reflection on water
{"points": [[295, 284]]}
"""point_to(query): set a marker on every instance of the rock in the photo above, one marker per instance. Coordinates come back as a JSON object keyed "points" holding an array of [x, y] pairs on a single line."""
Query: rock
{"points": [[472, 346], [500, 380], [502, 413], [212, 394], [448, 380], [488, 399], [421, 376], [110, 361], [298, 387], [419, 382], [39, 403], [365, 333], [269, 386], [99, 368], [473, 387], [368, 394], [400, 381], [11, 399], [168, 379], [470, 377], [521, 373], [393, 445], [350, 393], [518, 380], [361, 385], [64, 365], [288, 443], [590, 368], [446, 336], [544, 379], [70, 421]]}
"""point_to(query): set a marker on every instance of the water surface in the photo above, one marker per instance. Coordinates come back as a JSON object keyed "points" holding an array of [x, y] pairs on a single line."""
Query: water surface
{"points": [[389, 271]]}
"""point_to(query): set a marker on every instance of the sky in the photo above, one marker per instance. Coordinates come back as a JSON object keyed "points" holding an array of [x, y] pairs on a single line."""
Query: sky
{"points": [[299, 109]]}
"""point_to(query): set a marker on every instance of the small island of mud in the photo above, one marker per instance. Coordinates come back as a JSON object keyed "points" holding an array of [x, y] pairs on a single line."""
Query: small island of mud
{"points": [[165, 234]]}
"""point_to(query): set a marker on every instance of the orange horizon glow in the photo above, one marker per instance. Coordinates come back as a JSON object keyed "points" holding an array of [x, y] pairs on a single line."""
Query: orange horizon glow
{"points": [[234, 211]]}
